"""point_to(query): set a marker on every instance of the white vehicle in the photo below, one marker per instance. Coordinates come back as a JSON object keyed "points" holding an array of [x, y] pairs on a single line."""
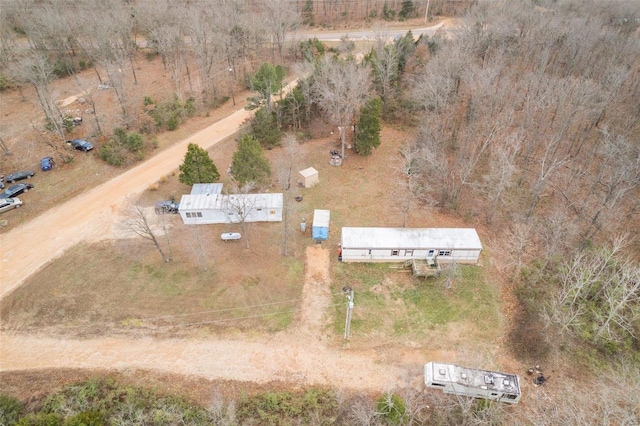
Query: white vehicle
{"points": [[457, 380], [7, 204]]}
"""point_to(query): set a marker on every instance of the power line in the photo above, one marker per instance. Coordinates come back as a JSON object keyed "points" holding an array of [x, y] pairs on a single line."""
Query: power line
{"points": [[241, 318], [206, 312]]}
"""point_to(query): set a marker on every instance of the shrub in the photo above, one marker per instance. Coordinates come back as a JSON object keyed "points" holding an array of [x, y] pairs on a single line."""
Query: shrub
{"points": [[407, 10], [173, 122], [392, 408], [387, 13], [40, 419], [5, 83], [10, 409], [134, 142], [122, 148], [86, 418], [112, 154], [63, 67]]}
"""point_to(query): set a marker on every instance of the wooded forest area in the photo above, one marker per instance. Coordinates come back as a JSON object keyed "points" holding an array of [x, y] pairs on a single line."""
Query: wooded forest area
{"points": [[525, 119]]}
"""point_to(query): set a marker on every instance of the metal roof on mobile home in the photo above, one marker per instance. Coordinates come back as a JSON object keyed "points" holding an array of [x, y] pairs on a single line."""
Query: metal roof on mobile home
{"points": [[206, 188], [410, 238], [221, 201]]}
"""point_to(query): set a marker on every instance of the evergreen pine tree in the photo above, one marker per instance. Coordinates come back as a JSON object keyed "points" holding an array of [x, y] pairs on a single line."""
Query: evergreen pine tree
{"points": [[264, 127], [368, 130], [249, 163], [197, 167]]}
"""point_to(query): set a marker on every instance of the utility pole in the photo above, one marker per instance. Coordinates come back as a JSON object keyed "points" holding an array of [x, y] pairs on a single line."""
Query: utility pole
{"points": [[347, 327], [426, 12], [233, 97]]}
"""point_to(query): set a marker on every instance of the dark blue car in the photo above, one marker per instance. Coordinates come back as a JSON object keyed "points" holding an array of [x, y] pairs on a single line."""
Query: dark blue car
{"points": [[81, 145], [46, 163]]}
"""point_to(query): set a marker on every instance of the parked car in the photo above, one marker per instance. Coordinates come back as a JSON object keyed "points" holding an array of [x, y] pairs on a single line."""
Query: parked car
{"points": [[26, 174], [16, 189], [7, 204], [167, 206], [81, 144], [46, 164]]}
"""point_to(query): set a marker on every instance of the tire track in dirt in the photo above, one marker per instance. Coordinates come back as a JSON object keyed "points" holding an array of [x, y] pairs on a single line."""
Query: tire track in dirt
{"points": [[316, 293], [300, 356]]}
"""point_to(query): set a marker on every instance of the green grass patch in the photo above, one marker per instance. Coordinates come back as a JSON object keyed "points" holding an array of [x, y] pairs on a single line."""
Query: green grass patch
{"points": [[392, 303]]}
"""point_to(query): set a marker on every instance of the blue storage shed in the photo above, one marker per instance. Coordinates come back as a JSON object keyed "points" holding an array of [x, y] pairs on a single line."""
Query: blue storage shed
{"points": [[320, 229]]}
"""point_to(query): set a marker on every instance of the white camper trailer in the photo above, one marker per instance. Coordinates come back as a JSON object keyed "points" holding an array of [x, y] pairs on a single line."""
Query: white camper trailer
{"points": [[457, 380]]}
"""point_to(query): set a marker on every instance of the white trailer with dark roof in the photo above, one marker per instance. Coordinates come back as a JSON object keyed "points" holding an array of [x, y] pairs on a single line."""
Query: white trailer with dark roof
{"points": [[474, 383]]}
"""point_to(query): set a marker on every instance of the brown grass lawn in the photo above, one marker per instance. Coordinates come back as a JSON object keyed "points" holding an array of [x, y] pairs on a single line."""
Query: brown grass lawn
{"points": [[123, 286]]}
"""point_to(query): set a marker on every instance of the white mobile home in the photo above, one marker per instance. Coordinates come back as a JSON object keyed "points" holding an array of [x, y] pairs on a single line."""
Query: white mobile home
{"points": [[457, 380], [208, 208], [460, 245]]}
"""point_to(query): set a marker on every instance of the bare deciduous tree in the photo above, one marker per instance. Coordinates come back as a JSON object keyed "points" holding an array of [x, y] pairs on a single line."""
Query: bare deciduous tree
{"points": [[384, 60], [37, 70], [412, 182], [341, 88], [599, 295], [284, 173], [208, 52], [618, 174], [280, 20], [241, 205], [139, 223], [5, 148]]}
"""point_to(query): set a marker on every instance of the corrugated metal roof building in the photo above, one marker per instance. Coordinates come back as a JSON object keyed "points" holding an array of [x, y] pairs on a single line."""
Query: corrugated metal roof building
{"points": [[206, 188], [399, 244], [208, 208]]}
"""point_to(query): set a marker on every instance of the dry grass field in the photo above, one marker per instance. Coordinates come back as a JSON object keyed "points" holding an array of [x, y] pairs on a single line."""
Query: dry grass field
{"points": [[123, 286]]}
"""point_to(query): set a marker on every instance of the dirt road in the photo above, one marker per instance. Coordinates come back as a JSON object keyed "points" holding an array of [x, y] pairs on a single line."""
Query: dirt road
{"points": [[301, 362], [90, 216], [299, 356]]}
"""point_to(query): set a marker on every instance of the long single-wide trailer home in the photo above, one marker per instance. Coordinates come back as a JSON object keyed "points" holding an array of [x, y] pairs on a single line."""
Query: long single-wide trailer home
{"points": [[457, 380], [209, 208], [460, 245]]}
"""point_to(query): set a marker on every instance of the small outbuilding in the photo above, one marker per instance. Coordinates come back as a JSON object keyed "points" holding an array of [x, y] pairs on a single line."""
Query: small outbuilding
{"points": [[460, 245], [320, 228], [309, 177]]}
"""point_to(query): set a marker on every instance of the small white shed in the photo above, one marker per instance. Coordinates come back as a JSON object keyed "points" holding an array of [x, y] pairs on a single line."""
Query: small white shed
{"points": [[196, 209], [320, 228], [460, 245], [309, 177]]}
